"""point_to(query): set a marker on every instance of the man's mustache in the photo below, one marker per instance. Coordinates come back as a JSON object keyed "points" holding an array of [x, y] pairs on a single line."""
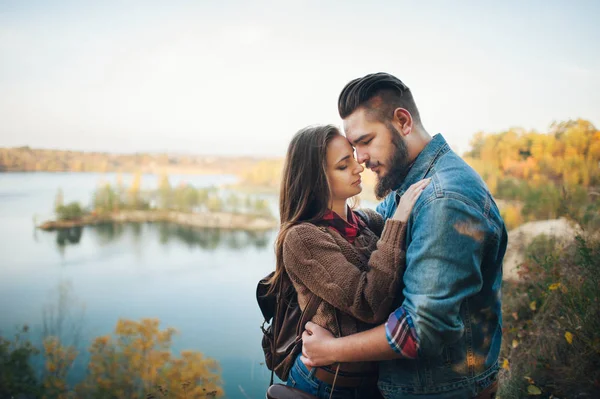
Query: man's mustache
{"points": [[370, 165]]}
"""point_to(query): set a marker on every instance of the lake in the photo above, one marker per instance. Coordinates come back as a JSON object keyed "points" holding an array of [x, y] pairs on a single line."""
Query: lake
{"points": [[200, 282]]}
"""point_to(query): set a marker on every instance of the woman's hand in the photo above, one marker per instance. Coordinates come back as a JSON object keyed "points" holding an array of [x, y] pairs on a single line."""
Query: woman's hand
{"points": [[317, 346], [407, 201]]}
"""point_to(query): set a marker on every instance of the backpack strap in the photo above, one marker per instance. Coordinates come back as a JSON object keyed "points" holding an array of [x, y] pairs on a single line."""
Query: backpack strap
{"points": [[309, 311], [278, 302]]}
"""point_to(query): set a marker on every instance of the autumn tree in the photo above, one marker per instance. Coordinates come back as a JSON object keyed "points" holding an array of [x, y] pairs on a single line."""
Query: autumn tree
{"points": [[541, 170], [137, 362]]}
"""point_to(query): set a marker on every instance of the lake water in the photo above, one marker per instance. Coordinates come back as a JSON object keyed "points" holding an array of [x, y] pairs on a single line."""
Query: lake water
{"points": [[200, 282]]}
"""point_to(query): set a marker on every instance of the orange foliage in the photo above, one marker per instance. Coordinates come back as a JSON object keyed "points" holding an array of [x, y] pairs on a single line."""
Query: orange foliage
{"points": [[137, 363]]}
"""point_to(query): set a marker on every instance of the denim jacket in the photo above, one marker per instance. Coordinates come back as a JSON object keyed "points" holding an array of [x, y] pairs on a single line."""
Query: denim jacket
{"points": [[455, 243]]}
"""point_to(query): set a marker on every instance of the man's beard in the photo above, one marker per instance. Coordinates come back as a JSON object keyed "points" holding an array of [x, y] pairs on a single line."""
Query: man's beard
{"points": [[398, 166]]}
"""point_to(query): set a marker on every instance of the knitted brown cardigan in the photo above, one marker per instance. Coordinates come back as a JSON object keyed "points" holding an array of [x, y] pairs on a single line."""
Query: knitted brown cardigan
{"points": [[359, 280]]}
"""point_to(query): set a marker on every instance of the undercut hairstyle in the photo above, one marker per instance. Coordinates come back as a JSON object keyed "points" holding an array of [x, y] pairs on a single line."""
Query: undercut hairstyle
{"points": [[380, 94]]}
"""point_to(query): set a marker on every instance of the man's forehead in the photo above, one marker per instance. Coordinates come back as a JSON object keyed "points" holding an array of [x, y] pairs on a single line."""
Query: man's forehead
{"points": [[351, 136], [351, 126], [355, 134], [356, 122]]}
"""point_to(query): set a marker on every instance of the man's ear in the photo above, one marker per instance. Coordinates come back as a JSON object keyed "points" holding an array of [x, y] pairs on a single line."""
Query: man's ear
{"points": [[403, 121]]}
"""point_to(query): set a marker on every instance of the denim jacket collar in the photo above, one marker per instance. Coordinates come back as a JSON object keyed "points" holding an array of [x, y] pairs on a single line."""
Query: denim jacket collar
{"points": [[422, 165]]}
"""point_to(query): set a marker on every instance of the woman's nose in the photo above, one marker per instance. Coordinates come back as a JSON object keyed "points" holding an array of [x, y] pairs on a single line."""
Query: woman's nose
{"points": [[359, 168]]}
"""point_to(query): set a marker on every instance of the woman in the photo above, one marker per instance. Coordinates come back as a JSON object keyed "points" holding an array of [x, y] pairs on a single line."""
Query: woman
{"points": [[327, 249]]}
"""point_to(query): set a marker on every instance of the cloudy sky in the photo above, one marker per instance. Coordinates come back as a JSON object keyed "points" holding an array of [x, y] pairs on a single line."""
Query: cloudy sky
{"points": [[240, 77]]}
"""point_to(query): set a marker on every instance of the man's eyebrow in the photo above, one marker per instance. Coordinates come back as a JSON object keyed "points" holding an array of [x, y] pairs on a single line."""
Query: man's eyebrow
{"points": [[358, 140], [343, 159]]}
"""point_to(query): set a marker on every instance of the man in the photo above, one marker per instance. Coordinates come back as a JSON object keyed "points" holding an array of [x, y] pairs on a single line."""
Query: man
{"points": [[444, 338]]}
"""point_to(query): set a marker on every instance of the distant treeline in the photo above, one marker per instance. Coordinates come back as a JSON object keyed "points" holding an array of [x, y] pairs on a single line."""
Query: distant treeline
{"points": [[542, 175], [26, 159], [536, 175]]}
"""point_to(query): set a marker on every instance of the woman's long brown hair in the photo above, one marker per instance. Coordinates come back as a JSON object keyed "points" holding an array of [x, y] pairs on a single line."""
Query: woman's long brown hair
{"points": [[304, 194]]}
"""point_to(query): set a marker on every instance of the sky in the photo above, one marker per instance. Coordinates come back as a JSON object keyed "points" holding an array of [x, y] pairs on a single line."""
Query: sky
{"points": [[241, 77]]}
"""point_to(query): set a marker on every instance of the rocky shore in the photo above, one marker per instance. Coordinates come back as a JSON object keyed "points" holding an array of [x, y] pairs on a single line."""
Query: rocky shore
{"points": [[215, 220]]}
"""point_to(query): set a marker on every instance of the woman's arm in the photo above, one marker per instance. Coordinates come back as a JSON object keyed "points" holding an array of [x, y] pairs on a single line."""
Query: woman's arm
{"points": [[313, 258]]}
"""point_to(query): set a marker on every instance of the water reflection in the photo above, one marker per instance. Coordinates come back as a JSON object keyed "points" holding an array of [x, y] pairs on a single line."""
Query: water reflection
{"points": [[211, 239], [68, 236], [206, 239], [107, 232]]}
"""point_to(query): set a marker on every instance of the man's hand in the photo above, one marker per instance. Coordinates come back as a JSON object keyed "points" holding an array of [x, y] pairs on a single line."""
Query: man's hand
{"points": [[317, 344]]}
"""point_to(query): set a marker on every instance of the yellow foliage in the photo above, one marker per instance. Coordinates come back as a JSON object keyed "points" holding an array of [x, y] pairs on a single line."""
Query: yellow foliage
{"points": [[533, 390], [512, 216], [58, 361], [568, 155], [554, 286], [137, 362], [569, 337]]}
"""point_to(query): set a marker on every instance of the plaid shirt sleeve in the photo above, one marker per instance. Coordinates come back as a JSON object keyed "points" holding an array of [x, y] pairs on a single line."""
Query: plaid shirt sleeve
{"points": [[401, 334]]}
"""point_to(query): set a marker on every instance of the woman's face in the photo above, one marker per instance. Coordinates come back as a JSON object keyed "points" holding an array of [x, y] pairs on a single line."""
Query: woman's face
{"points": [[343, 171]]}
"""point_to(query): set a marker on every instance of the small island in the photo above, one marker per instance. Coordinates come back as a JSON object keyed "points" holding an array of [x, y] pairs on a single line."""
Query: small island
{"points": [[183, 205]]}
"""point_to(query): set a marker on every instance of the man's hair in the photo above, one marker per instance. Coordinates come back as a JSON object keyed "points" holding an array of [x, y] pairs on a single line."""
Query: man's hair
{"points": [[380, 94]]}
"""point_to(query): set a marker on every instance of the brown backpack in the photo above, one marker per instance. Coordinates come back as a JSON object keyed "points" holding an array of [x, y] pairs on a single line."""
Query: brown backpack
{"points": [[282, 338]]}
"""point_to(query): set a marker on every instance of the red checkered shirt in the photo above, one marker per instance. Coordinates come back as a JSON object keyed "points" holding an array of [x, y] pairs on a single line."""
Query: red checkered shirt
{"points": [[348, 229]]}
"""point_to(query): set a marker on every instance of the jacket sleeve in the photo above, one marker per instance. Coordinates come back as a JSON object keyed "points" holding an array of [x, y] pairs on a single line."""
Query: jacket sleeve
{"points": [[313, 258], [443, 269]]}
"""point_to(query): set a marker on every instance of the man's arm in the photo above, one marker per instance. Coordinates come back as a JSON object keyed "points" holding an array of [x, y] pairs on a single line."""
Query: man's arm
{"points": [[443, 268], [392, 340]]}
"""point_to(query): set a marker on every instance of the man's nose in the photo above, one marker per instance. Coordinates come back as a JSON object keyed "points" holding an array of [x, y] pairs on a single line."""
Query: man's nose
{"points": [[361, 156]]}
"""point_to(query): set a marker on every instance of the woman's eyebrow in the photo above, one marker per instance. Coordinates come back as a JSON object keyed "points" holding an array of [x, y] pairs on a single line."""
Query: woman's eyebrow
{"points": [[343, 159]]}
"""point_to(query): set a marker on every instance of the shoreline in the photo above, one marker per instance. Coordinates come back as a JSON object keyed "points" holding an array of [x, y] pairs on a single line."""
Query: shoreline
{"points": [[214, 220]]}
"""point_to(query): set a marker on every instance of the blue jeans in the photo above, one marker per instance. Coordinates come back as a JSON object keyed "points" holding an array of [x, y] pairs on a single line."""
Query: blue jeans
{"points": [[301, 378]]}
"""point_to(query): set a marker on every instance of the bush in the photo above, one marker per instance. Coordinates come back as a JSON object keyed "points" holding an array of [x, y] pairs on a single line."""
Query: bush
{"points": [[551, 321], [71, 211], [17, 377]]}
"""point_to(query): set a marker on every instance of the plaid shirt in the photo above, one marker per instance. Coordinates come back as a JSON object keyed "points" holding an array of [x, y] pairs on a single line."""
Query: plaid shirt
{"points": [[347, 229], [400, 331], [401, 334]]}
